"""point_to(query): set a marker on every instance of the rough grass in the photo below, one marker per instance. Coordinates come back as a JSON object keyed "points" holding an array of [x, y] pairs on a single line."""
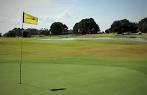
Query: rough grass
{"points": [[82, 67]]}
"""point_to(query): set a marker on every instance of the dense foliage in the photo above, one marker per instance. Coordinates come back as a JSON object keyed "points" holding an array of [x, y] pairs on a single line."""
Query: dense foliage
{"points": [[143, 25], [86, 26], [122, 26], [26, 32], [14, 32], [58, 28]]}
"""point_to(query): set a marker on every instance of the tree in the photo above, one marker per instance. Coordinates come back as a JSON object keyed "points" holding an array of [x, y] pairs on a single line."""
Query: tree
{"points": [[122, 26], [26, 33], [107, 31], [142, 26], [18, 32], [76, 29], [58, 28], [14, 32], [86, 26], [44, 31], [32, 31]]}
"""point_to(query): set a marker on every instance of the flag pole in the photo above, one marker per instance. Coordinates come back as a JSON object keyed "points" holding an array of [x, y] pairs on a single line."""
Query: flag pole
{"points": [[21, 53], [32, 18]]}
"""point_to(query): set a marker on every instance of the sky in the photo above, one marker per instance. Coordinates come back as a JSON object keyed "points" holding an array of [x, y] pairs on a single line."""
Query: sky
{"points": [[70, 12]]}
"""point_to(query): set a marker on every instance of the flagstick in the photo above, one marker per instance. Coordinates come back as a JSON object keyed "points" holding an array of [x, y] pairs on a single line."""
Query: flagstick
{"points": [[21, 45], [21, 56]]}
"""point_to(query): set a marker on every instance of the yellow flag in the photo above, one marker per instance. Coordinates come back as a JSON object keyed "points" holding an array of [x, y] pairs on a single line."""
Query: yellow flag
{"points": [[29, 19]]}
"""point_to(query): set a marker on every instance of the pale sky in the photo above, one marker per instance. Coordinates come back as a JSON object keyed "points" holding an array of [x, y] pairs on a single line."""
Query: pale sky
{"points": [[69, 12]]}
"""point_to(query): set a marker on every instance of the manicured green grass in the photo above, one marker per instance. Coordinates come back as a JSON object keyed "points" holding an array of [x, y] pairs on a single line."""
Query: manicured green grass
{"points": [[82, 67]]}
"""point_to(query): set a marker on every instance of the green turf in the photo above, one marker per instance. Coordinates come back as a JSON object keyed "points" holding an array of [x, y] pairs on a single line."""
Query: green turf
{"points": [[82, 67]]}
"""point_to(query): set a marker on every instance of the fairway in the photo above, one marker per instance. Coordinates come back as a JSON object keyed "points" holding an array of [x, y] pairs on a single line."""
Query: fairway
{"points": [[98, 67]]}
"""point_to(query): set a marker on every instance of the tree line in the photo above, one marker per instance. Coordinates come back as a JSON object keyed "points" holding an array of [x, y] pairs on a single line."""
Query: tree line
{"points": [[125, 26], [85, 26]]}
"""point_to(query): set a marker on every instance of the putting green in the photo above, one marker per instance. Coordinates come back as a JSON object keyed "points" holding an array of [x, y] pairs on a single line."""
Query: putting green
{"points": [[38, 79]]}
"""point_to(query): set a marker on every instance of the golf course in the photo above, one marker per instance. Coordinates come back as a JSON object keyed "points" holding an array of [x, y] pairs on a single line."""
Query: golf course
{"points": [[73, 67]]}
